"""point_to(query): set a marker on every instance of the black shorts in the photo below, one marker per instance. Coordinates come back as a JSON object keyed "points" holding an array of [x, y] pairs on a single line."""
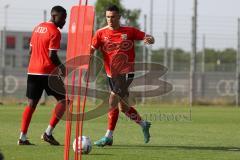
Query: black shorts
{"points": [[53, 85], [119, 85]]}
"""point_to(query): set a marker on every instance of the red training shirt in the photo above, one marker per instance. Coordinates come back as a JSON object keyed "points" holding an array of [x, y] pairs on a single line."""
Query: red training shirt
{"points": [[45, 37], [118, 48]]}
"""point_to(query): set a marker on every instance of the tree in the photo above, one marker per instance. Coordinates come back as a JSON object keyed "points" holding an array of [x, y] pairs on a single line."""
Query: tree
{"points": [[229, 56], [129, 17], [181, 58]]}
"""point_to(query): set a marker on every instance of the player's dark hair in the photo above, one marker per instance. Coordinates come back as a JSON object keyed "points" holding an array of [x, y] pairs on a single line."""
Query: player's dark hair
{"points": [[59, 9], [113, 8]]}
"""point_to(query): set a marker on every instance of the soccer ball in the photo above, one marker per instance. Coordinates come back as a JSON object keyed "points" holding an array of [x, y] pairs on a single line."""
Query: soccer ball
{"points": [[86, 145]]}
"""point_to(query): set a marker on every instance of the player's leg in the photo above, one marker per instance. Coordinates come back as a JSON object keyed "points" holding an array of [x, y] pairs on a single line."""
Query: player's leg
{"points": [[26, 119], [113, 114], [124, 105], [57, 90], [34, 92], [130, 111]]}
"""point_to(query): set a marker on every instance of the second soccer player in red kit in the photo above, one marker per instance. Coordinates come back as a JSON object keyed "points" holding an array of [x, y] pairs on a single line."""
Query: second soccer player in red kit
{"points": [[45, 42], [116, 43]]}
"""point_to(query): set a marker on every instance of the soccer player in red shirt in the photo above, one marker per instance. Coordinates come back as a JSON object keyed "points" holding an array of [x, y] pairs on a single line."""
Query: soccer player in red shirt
{"points": [[45, 42], [116, 43]]}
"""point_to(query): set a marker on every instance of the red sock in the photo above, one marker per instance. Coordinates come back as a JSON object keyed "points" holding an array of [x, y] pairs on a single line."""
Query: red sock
{"points": [[112, 118], [26, 118], [57, 114], [133, 115]]}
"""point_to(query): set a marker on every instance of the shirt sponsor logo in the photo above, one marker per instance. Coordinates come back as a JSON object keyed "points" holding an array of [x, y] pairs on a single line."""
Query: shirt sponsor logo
{"points": [[122, 46], [41, 30], [124, 37], [105, 39]]}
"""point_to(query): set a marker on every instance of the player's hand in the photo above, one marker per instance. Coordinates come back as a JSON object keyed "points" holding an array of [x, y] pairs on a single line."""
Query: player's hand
{"points": [[92, 50], [149, 40]]}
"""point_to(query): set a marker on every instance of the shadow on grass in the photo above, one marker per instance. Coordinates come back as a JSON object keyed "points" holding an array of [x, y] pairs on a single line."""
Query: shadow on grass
{"points": [[155, 147]]}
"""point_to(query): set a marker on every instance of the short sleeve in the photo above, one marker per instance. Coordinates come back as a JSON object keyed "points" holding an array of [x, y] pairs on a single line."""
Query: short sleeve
{"points": [[96, 40], [138, 35], [55, 41]]}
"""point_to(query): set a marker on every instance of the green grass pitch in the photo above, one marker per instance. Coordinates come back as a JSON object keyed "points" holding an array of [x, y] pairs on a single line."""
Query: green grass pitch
{"points": [[212, 133]]}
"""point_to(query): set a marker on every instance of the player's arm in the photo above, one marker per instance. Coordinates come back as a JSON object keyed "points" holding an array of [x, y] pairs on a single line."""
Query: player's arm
{"points": [[92, 50], [54, 46], [55, 60], [96, 42], [30, 52], [148, 39], [139, 35]]}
